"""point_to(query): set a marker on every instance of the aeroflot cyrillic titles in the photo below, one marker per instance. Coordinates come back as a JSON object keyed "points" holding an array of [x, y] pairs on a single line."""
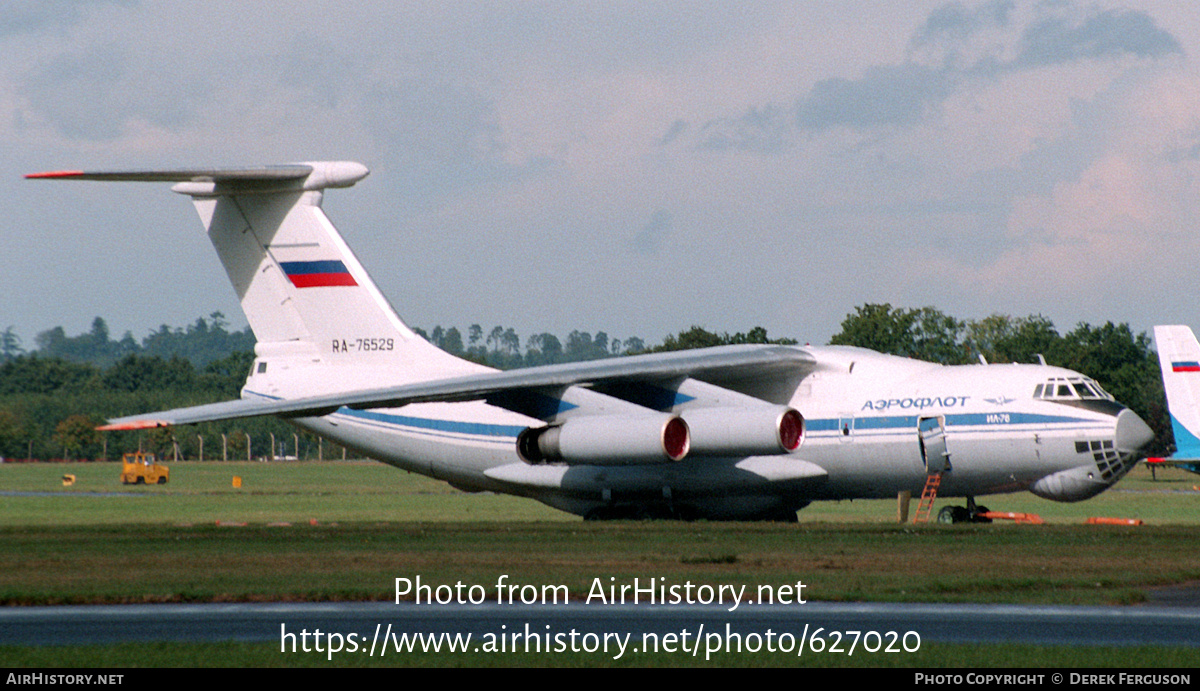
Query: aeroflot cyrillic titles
{"points": [[916, 403]]}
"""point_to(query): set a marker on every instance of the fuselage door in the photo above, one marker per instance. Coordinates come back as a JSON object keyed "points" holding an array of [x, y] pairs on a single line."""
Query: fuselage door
{"points": [[932, 437], [846, 428]]}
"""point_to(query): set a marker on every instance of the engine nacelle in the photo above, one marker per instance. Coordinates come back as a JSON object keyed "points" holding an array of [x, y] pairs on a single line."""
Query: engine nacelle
{"points": [[757, 431], [607, 440]]}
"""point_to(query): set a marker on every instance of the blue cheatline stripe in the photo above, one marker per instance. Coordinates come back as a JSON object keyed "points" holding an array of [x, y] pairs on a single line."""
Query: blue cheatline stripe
{"points": [[962, 419], [890, 422], [481, 429], [827, 425], [1183, 437], [1013, 419], [452, 426]]}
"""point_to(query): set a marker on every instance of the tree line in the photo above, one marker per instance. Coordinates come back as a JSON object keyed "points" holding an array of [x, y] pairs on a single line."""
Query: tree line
{"points": [[52, 398], [202, 342], [501, 347]]}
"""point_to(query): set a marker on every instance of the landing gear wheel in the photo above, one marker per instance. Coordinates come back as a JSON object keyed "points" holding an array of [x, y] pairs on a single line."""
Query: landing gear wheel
{"points": [[598, 514], [780, 515], [978, 517], [954, 514], [684, 513]]}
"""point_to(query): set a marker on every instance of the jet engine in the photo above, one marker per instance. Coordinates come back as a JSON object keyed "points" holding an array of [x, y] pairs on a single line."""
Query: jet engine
{"points": [[758, 431], [607, 440]]}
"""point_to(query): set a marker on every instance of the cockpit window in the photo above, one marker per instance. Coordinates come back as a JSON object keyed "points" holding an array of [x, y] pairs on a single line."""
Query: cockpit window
{"points": [[1071, 389]]}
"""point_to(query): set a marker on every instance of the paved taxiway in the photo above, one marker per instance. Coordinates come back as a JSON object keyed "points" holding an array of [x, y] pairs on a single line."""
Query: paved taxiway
{"points": [[1071, 625]]}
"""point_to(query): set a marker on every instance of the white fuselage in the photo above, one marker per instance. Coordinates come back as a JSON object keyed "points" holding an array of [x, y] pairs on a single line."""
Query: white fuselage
{"points": [[861, 413]]}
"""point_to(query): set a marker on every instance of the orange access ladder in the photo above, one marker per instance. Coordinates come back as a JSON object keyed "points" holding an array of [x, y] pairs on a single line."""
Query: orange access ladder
{"points": [[928, 495]]}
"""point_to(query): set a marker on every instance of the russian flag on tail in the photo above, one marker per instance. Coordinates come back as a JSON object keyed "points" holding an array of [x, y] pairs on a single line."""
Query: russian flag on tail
{"points": [[1185, 366], [318, 274]]}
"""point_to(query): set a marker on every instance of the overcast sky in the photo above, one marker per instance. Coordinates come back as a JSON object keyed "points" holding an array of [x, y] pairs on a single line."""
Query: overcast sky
{"points": [[632, 167]]}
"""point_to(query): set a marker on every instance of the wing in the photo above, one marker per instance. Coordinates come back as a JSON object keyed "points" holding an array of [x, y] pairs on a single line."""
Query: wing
{"points": [[765, 372]]}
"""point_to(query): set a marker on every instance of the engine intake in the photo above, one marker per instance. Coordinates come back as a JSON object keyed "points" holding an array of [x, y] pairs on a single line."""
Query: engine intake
{"points": [[607, 440]]}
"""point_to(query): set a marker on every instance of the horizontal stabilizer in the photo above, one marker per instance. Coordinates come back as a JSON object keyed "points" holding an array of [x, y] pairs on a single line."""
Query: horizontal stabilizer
{"points": [[227, 410], [307, 176], [288, 172]]}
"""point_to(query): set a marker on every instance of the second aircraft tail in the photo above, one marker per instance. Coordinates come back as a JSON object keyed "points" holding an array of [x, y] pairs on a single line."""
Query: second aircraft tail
{"points": [[1179, 360]]}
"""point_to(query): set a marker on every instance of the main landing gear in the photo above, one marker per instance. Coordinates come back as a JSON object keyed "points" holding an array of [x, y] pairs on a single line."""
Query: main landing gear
{"points": [[971, 513], [640, 512], [678, 512]]}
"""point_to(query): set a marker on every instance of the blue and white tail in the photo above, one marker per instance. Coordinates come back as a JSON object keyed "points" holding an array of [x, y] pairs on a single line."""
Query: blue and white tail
{"points": [[321, 323], [1179, 359]]}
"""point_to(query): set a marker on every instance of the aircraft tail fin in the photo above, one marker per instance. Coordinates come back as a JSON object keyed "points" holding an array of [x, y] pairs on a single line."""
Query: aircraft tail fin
{"points": [[1179, 360], [307, 298]]}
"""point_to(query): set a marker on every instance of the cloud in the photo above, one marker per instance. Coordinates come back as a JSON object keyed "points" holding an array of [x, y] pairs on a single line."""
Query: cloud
{"points": [[1095, 208], [36, 16], [956, 23], [762, 130], [954, 48], [902, 94], [652, 236], [467, 149], [886, 95], [1107, 34], [673, 132], [940, 156], [99, 92]]}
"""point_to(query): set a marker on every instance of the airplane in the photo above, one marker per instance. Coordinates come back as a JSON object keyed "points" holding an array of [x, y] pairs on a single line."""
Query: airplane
{"points": [[741, 432], [1179, 360]]}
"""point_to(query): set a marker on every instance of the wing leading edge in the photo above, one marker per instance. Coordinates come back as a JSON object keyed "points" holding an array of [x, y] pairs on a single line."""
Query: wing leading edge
{"points": [[728, 366]]}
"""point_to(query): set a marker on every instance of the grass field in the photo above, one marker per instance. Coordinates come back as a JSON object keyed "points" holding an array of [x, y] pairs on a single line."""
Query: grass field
{"points": [[366, 491], [346, 530], [269, 492]]}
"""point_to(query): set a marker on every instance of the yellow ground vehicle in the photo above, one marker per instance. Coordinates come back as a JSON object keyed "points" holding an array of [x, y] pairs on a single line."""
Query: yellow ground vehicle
{"points": [[143, 469]]}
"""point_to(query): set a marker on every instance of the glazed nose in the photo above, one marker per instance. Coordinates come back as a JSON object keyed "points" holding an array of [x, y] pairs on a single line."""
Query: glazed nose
{"points": [[1132, 433]]}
